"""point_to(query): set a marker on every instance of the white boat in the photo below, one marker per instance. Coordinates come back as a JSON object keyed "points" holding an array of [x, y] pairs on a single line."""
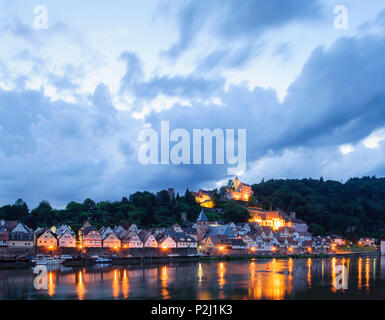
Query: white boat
{"points": [[102, 260], [47, 260], [65, 257]]}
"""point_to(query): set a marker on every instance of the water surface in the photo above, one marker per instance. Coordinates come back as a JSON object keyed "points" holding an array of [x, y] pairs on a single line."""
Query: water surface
{"points": [[255, 279]]}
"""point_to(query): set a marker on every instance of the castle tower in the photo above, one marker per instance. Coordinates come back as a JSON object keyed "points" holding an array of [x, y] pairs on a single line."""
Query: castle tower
{"points": [[236, 183], [203, 225], [171, 193]]}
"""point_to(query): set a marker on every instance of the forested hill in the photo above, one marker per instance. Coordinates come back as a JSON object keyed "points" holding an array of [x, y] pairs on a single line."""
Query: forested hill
{"points": [[330, 206], [327, 206]]}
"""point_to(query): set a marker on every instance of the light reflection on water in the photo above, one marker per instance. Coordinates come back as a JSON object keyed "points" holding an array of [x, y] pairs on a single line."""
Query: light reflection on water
{"points": [[255, 279]]}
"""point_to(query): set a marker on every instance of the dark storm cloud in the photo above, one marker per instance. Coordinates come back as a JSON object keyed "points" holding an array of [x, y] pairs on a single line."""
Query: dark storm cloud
{"points": [[338, 98], [189, 86]]}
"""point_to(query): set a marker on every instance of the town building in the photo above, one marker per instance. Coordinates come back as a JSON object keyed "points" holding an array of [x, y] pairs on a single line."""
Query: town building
{"points": [[46, 238], [272, 219], [165, 241], [298, 225], [176, 227], [3, 238], [182, 240], [192, 232], [131, 240], [67, 239], [119, 231], [148, 239], [19, 235], [236, 244], [111, 240], [133, 228], [89, 236], [65, 235], [215, 243]]}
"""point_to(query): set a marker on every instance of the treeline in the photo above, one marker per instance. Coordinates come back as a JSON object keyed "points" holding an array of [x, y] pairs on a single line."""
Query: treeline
{"points": [[145, 209], [354, 208]]}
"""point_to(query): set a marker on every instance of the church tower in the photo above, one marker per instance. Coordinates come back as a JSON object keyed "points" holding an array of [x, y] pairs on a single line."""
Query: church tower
{"points": [[203, 225]]}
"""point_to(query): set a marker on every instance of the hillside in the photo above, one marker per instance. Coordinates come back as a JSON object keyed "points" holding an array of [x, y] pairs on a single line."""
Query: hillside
{"points": [[327, 206], [330, 206]]}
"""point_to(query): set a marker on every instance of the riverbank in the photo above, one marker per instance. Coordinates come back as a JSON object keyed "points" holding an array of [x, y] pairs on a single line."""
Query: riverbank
{"points": [[293, 256], [82, 262]]}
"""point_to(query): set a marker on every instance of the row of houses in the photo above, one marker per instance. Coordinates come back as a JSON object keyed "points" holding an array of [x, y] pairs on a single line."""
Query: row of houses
{"points": [[16, 234]]}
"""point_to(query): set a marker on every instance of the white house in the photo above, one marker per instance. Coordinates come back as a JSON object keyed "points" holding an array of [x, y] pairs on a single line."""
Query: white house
{"points": [[132, 240], [166, 242], [67, 240], [148, 239]]}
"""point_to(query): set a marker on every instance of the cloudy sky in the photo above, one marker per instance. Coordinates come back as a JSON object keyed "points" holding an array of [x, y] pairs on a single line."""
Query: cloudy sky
{"points": [[75, 95]]}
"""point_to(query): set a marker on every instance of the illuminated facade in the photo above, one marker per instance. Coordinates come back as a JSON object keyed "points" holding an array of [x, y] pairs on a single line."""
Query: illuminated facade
{"points": [[90, 237], [67, 240], [46, 238], [272, 219], [132, 240], [204, 198], [111, 240], [241, 192], [65, 235]]}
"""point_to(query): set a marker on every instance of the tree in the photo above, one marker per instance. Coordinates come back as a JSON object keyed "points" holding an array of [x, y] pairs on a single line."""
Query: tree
{"points": [[316, 229], [124, 201], [149, 218], [163, 197], [44, 214], [142, 199], [189, 198], [235, 212], [230, 185], [89, 205], [21, 208], [252, 202]]}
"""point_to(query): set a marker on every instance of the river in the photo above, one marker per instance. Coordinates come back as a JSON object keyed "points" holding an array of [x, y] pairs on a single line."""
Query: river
{"points": [[358, 278]]}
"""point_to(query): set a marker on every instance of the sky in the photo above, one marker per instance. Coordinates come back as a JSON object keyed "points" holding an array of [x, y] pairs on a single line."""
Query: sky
{"points": [[76, 91]]}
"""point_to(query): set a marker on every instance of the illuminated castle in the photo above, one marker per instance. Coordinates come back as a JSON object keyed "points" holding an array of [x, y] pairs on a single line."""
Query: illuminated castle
{"points": [[241, 192], [204, 198]]}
